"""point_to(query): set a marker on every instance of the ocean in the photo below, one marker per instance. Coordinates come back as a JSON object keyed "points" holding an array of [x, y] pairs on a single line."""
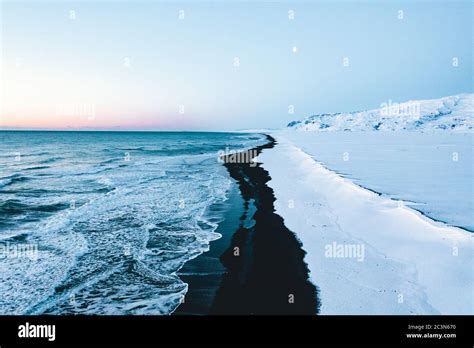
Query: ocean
{"points": [[100, 222]]}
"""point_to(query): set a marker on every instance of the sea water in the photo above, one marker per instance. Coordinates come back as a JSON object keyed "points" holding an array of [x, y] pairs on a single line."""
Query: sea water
{"points": [[110, 216]]}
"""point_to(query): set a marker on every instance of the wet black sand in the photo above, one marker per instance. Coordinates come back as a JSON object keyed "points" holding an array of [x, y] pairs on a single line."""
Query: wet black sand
{"points": [[261, 268], [204, 273]]}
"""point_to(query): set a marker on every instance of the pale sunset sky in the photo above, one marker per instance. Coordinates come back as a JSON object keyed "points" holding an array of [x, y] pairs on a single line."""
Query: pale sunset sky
{"points": [[223, 65]]}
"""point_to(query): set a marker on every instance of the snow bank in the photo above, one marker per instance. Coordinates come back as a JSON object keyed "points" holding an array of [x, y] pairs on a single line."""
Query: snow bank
{"points": [[369, 254], [449, 113], [432, 171]]}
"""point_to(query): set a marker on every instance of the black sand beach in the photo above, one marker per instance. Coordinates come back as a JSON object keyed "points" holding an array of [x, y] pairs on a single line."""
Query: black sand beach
{"points": [[204, 273], [257, 269]]}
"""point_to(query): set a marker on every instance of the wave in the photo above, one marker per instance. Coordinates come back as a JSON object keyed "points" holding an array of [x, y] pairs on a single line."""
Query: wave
{"points": [[135, 224], [37, 168], [50, 160], [13, 207], [13, 179]]}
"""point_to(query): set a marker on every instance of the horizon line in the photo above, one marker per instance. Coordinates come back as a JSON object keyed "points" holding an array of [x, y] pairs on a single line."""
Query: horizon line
{"points": [[132, 130]]}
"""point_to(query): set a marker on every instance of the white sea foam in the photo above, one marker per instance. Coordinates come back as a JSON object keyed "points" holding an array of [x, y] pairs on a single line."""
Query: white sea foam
{"points": [[116, 236]]}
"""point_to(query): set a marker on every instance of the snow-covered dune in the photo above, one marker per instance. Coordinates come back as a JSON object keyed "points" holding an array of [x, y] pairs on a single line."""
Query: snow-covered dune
{"points": [[454, 113], [369, 254]]}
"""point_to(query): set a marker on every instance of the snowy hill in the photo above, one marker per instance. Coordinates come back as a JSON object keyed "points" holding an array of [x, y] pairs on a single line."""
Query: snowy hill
{"points": [[454, 113]]}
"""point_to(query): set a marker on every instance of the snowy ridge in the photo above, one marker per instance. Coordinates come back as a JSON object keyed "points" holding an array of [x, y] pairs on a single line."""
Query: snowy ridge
{"points": [[454, 113]]}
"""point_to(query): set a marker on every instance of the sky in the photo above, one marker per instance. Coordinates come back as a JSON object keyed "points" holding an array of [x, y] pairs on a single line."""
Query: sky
{"points": [[223, 65]]}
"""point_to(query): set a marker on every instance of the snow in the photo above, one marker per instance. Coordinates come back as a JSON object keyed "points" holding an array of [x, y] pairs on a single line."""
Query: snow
{"points": [[454, 113], [431, 171], [368, 254]]}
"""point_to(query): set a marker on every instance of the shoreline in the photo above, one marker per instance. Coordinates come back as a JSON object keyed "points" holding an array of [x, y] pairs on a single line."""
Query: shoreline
{"points": [[204, 273], [398, 256], [260, 268]]}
